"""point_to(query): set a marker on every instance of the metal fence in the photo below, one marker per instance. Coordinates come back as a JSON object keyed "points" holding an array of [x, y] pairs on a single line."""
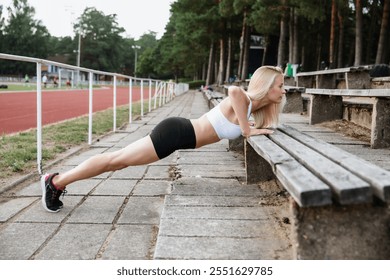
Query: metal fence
{"points": [[163, 93]]}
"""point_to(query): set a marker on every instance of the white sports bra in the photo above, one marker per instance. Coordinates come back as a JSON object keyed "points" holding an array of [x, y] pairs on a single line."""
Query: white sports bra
{"points": [[224, 128]]}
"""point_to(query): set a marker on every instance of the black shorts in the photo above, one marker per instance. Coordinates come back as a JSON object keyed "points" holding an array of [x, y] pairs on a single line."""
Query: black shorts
{"points": [[173, 134]]}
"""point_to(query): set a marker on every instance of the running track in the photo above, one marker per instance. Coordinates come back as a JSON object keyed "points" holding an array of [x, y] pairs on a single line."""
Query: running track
{"points": [[18, 109]]}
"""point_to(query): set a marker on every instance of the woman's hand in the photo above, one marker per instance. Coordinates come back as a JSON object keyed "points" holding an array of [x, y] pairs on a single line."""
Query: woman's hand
{"points": [[257, 131]]}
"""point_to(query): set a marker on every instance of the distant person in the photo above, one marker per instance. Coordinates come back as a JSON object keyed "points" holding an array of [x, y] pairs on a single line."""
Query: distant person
{"points": [[55, 82], [27, 80], [44, 81], [264, 100], [68, 83]]}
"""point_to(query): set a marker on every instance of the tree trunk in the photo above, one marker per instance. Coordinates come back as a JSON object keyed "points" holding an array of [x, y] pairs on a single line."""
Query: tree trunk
{"points": [[229, 59], [221, 68], [382, 37], [358, 33], [204, 71], [282, 38], [341, 40], [332, 35], [245, 58], [242, 46], [296, 40], [291, 36], [209, 79]]}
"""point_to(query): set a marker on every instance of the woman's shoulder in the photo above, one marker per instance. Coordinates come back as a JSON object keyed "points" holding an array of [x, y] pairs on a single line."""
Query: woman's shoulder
{"points": [[235, 90]]}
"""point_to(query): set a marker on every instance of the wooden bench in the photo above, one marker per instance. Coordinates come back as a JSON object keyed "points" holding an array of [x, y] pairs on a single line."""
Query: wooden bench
{"points": [[327, 105], [213, 97], [339, 201], [354, 78]]}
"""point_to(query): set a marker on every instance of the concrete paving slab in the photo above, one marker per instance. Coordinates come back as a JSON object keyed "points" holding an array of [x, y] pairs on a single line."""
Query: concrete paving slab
{"points": [[158, 172], [152, 188], [83, 187], [33, 189], [142, 210], [133, 172], [11, 207], [217, 248], [19, 241], [219, 201], [130, 242], [217, 228], [119, 187], [216, 213], [75, 242], [209, 158], [213, 186], [92, 151], [169, 160], [97, 210], [213, 171], [36, 214]]}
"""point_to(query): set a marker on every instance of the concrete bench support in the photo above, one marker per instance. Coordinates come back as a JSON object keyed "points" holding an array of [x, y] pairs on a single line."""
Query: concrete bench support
{"points": [[325, 108], [358, 80], [294, 101], [326, 81], [380, 126], [359, 232], [257, 168], [327, 104]]}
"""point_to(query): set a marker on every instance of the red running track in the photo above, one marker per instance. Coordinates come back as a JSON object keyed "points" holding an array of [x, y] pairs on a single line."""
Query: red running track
{"points": [[18, 110]]}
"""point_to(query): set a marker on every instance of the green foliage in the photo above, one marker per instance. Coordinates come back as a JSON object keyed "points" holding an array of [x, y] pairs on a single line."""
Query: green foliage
{"points": [[23, 35], [196, 84], [100, 40]]}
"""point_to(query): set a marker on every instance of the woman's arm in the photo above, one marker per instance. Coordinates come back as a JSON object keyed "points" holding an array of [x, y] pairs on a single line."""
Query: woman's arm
{"points": [[240, 103]]}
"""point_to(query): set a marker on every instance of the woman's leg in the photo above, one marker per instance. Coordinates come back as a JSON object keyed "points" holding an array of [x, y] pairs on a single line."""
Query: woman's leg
{"points": [[137, 153]]}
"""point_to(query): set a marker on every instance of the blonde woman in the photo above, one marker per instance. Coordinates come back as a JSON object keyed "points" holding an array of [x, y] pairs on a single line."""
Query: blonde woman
{"points": [[229, 120]]}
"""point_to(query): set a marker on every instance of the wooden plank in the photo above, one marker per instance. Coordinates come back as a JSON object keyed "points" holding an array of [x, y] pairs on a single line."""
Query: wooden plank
{"points": [[303, 186], [347, 187], [324, 72], [350, 92], [376, 176], [335, 71]]}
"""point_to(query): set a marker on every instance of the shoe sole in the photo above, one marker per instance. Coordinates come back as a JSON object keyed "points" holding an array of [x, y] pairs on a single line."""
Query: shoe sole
{"points": [[43, 187]]}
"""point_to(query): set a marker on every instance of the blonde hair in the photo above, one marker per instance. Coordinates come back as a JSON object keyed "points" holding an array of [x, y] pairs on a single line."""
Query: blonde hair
{"points": [[262, 80]]}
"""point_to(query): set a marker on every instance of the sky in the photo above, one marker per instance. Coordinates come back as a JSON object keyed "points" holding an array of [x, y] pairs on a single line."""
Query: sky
{"points": [[135, 16]]}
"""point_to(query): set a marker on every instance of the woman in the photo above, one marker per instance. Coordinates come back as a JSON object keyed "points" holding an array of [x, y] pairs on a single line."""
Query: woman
{"points": [[263, 99]]}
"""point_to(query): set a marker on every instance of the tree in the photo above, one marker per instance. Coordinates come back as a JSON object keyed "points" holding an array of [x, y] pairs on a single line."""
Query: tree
{"points": [[358, 33], [384, 29], [1, 26], [23, 35], [147, 43], [101, 41]]}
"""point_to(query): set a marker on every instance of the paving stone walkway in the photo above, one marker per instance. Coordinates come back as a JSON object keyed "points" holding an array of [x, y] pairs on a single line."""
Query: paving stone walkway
{"points": [[191, 205]]}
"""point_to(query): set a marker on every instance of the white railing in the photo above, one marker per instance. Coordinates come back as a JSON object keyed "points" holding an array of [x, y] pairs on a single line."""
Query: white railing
{"points": [[160, 93]]}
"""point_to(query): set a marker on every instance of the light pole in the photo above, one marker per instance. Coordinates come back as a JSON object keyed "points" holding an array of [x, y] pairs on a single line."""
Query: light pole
{"points": [[78, 58], [136, 48]]}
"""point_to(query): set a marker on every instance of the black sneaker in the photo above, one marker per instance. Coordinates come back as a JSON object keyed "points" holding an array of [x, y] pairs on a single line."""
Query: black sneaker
{"points": [[50, 195]]}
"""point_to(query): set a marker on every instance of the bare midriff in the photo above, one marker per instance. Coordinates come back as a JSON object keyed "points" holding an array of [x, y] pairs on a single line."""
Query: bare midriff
{"points": [[204, 132]]}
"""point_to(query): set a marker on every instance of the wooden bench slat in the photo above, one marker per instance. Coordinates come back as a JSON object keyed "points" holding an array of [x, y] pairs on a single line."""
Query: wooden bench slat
{"points": [[350, 92], [303, 186], [378, 177], [347, 187]]}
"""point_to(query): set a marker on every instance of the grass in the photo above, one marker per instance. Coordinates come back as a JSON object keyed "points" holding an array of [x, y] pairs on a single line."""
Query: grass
{"points": [[18, 152]]}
